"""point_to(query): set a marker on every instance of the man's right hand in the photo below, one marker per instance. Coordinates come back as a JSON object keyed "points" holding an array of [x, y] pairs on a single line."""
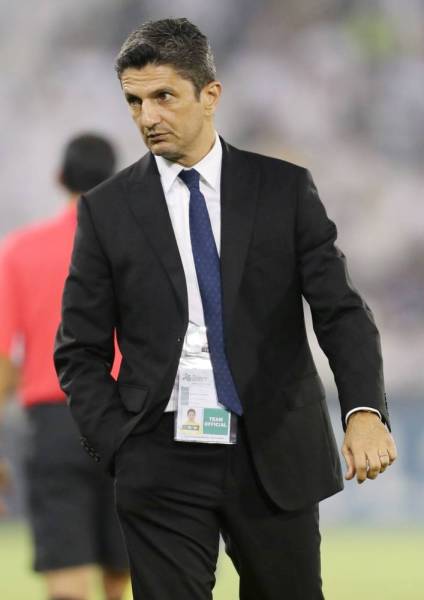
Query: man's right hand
{"points": [[5, 485]]}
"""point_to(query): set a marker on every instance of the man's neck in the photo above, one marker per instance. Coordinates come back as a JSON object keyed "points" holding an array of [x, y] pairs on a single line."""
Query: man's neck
{"points": [[204, 148]]}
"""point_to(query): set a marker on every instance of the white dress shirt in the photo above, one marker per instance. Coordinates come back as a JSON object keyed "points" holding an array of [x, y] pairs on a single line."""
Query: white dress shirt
{"points": [[177, 198]]}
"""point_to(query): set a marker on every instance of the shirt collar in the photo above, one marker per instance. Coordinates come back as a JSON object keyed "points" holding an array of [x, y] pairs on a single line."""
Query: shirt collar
{"points": [[209, 168]]}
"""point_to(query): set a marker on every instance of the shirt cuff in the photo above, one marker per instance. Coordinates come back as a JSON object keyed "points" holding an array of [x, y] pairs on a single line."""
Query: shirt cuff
{"points": [[367, 408]]}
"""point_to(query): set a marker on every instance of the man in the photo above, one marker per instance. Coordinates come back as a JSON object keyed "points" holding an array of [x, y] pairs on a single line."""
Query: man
{"points": [[70, 502], [198, 233]]}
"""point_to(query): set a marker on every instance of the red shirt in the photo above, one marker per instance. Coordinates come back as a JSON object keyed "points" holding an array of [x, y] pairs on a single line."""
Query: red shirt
{"points": [[34, 264]]}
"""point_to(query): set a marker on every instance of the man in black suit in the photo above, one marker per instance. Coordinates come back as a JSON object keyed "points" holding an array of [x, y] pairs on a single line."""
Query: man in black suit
{"points": [[198, 236]]}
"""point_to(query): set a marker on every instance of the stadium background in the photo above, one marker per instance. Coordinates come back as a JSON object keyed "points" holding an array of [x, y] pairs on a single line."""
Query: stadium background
{"points": [[335, 85]]}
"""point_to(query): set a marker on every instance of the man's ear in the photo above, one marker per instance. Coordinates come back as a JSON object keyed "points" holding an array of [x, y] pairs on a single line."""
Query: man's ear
{"points": [[210, 96]]}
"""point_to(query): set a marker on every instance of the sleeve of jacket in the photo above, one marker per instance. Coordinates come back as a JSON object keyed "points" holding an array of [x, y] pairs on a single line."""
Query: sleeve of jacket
{"points": [[342, 321], [84, 348]]}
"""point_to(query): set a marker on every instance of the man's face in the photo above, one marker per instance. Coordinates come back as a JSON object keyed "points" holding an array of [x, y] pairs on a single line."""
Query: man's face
{"points": [[174, 123]]}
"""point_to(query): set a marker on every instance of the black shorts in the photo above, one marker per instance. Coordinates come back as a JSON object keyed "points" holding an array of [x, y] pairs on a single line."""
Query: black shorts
{"points": [[70, 500]]}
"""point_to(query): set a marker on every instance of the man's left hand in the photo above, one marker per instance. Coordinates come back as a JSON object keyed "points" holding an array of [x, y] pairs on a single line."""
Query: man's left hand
{"points": [[5, 485], [368, 446]]}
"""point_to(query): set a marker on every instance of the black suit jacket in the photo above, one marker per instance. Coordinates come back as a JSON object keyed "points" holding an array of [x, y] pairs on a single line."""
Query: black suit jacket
{"points": [[277, 245]]}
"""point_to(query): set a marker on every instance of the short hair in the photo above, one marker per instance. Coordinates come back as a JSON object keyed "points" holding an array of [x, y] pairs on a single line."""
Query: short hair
{"points": [[174, 42], [88, 160]]}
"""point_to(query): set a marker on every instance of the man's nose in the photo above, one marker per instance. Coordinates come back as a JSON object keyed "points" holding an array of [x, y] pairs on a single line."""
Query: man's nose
{"points": [[149, 116]]}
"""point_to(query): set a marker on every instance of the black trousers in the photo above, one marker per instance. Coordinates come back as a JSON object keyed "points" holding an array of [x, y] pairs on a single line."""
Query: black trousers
{"points": [[175, 498]]}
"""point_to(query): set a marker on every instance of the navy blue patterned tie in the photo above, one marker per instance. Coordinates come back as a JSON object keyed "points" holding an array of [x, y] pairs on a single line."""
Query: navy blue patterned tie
{"points": [[206, 260]]}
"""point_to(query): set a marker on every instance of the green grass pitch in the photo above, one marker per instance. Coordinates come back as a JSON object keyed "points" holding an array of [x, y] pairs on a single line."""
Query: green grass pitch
{"points": [[373, 564]]}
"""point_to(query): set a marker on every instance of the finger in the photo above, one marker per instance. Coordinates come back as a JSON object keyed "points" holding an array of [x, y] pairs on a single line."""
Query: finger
{"points": [[384, 459], [5, 480], [384, 465], [374, 465], [361, 466], [392, 450], [350, 465]]}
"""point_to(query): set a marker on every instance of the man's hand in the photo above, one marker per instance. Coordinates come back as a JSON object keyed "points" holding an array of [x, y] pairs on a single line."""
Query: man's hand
{"points": [[5, 484], [368, 447]]}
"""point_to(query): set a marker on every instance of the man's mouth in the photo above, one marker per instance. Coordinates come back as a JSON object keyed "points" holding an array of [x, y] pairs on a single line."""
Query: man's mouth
{"points": [[155, 137]]}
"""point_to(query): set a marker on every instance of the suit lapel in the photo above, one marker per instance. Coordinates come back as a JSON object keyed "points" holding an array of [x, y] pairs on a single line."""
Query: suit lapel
{"points": [[148, 205], [239, 191]]}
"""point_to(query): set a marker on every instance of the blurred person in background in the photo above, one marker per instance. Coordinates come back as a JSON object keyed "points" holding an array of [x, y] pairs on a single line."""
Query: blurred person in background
{"points": [[198, 233], [70, 502]]}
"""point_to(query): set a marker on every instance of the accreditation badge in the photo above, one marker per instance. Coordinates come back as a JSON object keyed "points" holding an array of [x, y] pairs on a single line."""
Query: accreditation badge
{"points": [[199, 417]]}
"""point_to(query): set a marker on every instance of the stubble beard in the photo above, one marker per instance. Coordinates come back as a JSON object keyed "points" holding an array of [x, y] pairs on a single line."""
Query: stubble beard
{"points": [[169, 154]]}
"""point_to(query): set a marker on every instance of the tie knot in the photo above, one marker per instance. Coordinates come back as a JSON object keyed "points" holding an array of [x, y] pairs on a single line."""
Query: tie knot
{"points": [[191, 178]]}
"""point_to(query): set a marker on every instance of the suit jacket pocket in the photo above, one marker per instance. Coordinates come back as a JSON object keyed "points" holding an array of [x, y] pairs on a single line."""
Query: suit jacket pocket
{"points": [[303, 392], [133, 397]]}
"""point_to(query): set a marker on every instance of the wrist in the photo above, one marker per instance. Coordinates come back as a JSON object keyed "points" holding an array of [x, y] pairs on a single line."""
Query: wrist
{"points": [[363, 414]]}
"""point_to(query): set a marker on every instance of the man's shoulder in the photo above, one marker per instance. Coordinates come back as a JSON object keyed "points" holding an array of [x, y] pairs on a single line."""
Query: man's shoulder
{"points": [[269, 164]]}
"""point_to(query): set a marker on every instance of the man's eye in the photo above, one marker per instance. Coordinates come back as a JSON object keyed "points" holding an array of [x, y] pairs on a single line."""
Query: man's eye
{"points": [[133, 100], [164, 96]]}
